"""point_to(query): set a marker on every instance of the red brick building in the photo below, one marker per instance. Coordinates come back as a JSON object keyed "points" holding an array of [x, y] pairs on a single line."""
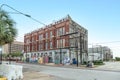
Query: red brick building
{"points": [[48, 40]]}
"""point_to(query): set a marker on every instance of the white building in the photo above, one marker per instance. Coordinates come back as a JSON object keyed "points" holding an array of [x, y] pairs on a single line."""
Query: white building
{"points": [[99, 52]]}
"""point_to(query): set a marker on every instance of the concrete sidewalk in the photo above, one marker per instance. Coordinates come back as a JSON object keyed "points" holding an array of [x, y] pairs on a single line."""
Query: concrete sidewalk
{"points": [[32, 75]]}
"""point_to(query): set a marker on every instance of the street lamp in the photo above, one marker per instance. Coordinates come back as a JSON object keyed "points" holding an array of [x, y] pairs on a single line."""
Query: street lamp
{"points": [[18, 12]]}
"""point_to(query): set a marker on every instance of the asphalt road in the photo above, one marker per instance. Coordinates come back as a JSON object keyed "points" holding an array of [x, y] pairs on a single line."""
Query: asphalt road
{"points": [[112, 66], [73, 74]]}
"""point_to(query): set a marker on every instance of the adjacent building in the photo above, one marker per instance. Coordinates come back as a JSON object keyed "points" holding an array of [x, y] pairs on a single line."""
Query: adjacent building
{"points": [[63, 38], [99, 52], [16, 46]]}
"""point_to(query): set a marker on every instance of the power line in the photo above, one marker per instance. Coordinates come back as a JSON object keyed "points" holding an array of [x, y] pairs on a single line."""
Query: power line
{"points": [[104, 42]]}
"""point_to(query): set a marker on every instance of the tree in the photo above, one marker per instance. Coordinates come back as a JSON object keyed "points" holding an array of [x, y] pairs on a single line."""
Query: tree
{"points": [[16, 54], [117, 58], [7, 30]]}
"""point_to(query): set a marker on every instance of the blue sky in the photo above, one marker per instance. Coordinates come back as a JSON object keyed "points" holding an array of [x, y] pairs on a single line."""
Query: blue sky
{"points": [[100, 17]]}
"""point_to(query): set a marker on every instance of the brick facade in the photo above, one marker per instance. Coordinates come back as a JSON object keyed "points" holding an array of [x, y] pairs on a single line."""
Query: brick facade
{"points": [[34, 41], [48, 40]]}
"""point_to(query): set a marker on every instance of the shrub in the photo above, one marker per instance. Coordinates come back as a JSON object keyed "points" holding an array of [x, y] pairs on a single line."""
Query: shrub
{"points": [[1, 76], [98, 62], [117, 58], [84, 63]]}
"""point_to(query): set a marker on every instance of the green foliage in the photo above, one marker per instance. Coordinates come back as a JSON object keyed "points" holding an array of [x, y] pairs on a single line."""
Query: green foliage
{"points": [[7, 30], [98, 62], [84, 63], [117, 58], [106, 59], [16, 54], [4, 55]]}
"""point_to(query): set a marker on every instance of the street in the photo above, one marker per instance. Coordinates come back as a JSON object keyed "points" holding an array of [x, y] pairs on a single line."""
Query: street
{"points": [[113, 66], [73, 73]]}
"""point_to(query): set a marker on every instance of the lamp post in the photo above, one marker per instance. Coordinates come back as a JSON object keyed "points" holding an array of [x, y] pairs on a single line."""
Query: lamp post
{"points": [[17, 12]]}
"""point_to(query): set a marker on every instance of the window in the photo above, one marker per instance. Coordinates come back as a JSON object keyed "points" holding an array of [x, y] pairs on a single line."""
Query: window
{"points": [[46, 35], [40, 47], [46, 47], [60, 43], [70, 30], [57, 43], [63, 43], [28, 48], [27, 41], [32, 47], [40, 36], [57, 32], [72, 42], [60, 31], [50, 34], [63, 30], [50, 45], [60, 46], [32, 39]]}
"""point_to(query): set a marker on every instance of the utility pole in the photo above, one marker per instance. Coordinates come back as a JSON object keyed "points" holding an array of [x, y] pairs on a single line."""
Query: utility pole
{"points": [[76, 46], [61, 45], [76, 43], [81, 47]]}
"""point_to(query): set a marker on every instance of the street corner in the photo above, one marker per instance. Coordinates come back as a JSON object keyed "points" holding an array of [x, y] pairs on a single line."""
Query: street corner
{"points": [[33, 75]]}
